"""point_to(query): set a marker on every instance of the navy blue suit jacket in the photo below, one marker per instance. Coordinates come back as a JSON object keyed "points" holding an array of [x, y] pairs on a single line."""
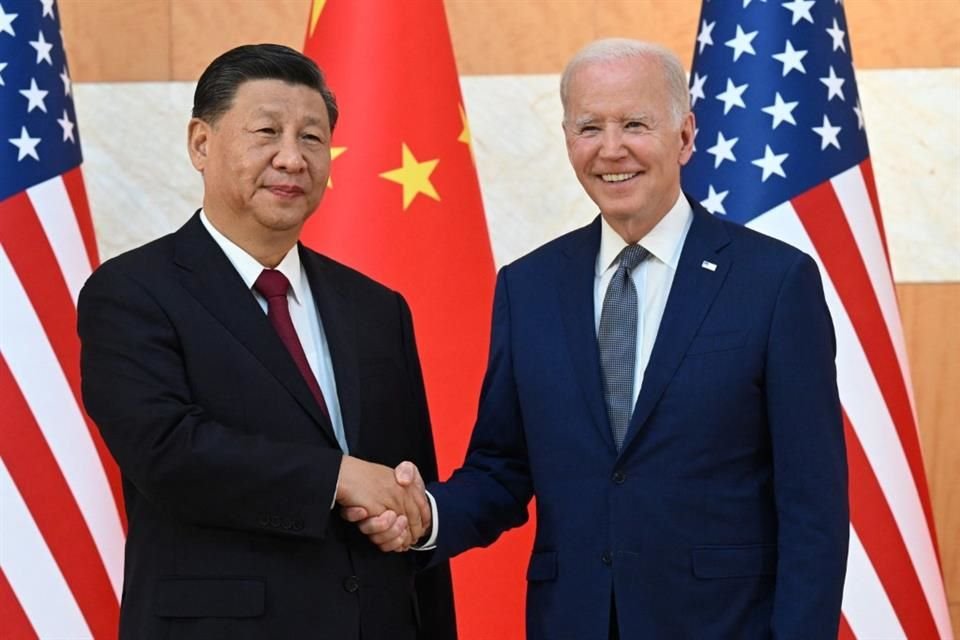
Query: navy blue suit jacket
{"points": [[229, 465], [725, 514]]}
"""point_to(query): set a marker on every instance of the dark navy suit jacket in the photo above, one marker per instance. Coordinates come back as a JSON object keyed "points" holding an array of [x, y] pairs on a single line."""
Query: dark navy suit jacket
{"points": [[725, 514], [229, 466]]}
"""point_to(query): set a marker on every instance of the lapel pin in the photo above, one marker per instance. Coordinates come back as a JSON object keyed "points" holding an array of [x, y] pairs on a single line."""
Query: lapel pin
{"points": [[709, 266]]}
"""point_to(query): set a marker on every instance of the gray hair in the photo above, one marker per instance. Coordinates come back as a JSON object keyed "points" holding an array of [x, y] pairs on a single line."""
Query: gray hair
{"points": [[611, 49]]}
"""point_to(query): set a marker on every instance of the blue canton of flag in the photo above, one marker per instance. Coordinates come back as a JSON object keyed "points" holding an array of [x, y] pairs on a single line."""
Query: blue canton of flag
{"points": [[38, 133], [776, 103]]}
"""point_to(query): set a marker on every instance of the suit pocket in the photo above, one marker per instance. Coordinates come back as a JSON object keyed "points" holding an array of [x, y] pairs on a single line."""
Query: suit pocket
{"points": [[711, 342], [542, 567], [209, 598], [739, 561]]}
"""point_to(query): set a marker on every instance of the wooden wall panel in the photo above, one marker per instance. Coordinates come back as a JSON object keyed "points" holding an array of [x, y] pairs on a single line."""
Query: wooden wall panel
{"points": [[929, 313], [518, 36], [174, 39], [203, 30], [889, 34], [117, 40]]}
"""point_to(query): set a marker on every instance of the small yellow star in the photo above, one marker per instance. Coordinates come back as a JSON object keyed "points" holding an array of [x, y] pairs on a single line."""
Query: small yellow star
{"points": [[335, 152], [414, 176], [465, 136], [315, 11]]}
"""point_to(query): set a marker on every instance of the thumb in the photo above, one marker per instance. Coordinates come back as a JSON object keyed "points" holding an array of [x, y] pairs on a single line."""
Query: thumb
{"points": [[405, 473]]}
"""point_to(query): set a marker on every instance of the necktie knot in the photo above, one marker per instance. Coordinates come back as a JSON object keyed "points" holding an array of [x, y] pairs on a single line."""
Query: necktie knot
{"points": [[272, 284], [631, 256]]}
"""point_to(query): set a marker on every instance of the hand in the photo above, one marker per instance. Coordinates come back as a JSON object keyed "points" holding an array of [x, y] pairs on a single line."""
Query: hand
{"points": [[388, 530], [394, 501]]}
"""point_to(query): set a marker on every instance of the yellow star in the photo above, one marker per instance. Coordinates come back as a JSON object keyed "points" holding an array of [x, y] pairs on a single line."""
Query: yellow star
{"points": [[465, 136], [335, 152], [315, 14], [414, 176]]}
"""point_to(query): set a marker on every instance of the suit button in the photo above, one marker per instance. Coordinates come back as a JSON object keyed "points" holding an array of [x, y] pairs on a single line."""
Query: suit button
{"points": [[351, 584], [606, 558], [619, 477]]}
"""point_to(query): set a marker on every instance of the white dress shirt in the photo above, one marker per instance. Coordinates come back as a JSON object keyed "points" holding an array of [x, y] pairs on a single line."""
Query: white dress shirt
{"points": [[653, 277], [303, 313]]}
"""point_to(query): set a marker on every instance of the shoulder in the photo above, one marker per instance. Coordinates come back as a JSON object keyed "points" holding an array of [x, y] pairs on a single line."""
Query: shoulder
{"points": [[582, 241], [345, 278]]}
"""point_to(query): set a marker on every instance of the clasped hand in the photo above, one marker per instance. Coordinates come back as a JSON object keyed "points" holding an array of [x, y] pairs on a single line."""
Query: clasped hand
{"points": [[390, 506]]}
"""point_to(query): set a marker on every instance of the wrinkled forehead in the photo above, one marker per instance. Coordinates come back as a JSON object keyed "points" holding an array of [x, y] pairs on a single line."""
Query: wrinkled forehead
{"points": [[624, 88]]}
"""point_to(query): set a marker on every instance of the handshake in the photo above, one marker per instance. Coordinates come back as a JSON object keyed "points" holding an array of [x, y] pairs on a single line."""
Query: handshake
{"points": [[390, 506]]}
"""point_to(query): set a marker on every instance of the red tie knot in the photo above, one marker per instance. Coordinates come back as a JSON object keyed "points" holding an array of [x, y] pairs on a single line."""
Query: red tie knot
{"points": [[272, 284]]}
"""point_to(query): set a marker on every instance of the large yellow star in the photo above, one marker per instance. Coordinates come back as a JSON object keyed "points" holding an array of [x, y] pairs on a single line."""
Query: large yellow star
{"points": [[414, 176], [335, 152]]}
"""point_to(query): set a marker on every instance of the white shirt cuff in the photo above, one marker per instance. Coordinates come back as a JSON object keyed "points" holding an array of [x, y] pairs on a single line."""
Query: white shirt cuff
{"points": [[431, 542]]}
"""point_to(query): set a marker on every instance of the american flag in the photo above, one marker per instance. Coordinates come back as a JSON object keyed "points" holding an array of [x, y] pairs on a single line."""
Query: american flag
{"points": [[61, 531], [781, 147]]}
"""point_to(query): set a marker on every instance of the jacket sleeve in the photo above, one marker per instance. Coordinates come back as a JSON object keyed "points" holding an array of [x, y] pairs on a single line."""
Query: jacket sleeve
{"points": [[489, 494], [178, 458], [809, 459]]}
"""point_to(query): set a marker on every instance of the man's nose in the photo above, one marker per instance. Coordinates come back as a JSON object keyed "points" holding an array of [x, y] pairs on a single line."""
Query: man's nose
{"points": [[611, 142], [289, 156]]}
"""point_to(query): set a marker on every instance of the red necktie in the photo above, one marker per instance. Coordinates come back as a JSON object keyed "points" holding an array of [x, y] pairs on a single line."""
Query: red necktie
{"points": [[273, 286]]}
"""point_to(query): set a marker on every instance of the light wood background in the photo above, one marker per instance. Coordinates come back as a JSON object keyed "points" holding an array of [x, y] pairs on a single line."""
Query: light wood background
{"points": [[161, 40]]}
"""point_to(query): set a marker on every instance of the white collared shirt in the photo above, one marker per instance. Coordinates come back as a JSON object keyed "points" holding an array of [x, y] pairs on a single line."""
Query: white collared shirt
{"points": [[303, 313], [653, 277]]}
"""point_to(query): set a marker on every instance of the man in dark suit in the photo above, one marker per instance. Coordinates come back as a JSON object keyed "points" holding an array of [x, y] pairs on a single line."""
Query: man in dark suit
{"points": [[245, 384], [664, 383]]}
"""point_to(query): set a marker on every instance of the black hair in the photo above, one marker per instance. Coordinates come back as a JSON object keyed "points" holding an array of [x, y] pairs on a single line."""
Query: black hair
{"points": [[220, 80]]}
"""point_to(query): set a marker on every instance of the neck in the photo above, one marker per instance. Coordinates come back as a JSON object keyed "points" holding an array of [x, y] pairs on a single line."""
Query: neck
{"points": [[266, 246]]}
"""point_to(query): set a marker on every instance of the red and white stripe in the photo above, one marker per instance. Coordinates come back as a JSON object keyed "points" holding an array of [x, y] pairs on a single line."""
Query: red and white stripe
{"points": [[62, 530], [894, 586]]}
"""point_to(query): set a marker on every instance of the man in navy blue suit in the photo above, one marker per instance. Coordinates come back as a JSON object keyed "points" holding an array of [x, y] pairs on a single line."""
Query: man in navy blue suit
{"points": [[664, 383]]}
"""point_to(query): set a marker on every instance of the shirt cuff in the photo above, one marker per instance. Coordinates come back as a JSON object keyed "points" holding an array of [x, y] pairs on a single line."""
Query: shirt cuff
{"points": [[431, 542]]}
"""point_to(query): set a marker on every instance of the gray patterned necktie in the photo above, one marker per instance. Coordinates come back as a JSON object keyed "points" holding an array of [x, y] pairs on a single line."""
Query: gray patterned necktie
{"points": [[618, 342]]}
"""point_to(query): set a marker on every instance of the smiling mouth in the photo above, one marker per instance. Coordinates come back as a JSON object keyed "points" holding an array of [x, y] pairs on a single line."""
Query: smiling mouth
{"points": [[617, 177]]}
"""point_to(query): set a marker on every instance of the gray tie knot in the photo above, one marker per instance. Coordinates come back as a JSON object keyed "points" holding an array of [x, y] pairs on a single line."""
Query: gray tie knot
{"points": [[631, 256]]}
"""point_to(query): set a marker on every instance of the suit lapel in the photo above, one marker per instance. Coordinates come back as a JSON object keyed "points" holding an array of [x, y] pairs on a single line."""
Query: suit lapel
{"points": [[339, 327], [207, 274], [693, 291], [576, 284]]}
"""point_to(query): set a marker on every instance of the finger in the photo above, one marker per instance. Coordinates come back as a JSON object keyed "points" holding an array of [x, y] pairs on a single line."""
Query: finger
{"points": [[397, 544], [379, 524], [398, 529], [354, 514]]}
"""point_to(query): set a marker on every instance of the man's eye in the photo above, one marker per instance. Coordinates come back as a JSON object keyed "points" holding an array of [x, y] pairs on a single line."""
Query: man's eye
{"points": [[633, 124], [267, 131], [309, 137], [589, 130]]}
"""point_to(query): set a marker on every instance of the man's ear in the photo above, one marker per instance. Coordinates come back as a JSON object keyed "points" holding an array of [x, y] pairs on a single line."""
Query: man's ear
{"points": [[688, 130], [198, 136]]}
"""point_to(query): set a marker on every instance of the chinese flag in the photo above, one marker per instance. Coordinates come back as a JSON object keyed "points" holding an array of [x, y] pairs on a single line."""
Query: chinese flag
{"points": [[404, 207]]}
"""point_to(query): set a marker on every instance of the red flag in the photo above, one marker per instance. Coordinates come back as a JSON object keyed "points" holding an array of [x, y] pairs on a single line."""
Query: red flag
{"points": [[404, 207], [61, 528]]}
